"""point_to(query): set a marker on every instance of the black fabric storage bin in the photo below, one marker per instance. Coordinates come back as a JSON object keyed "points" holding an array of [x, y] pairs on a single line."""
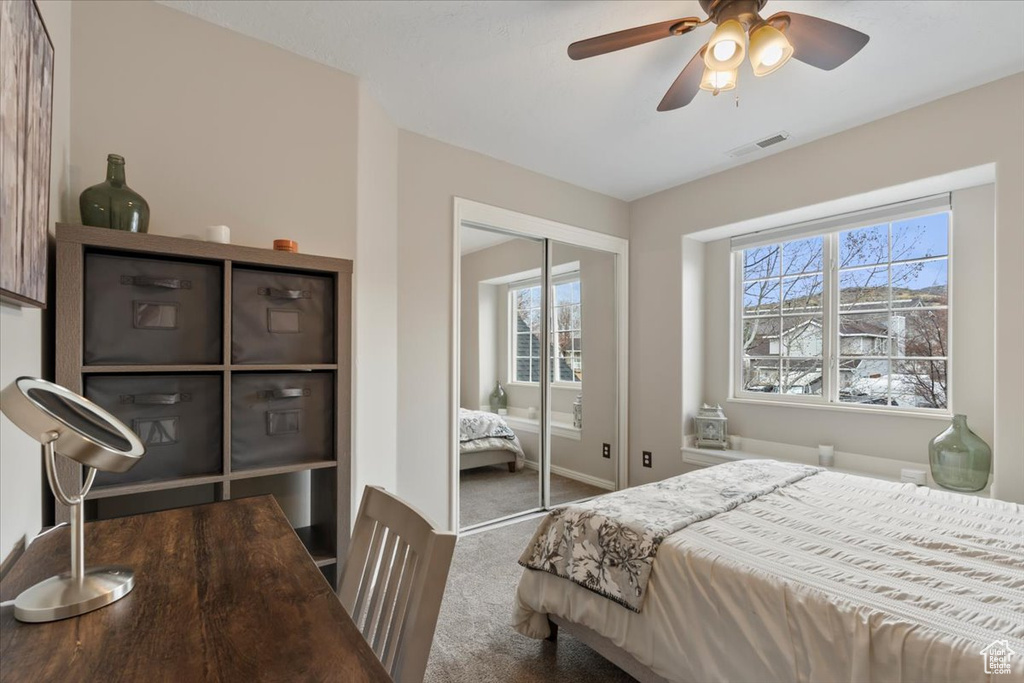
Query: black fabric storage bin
{"points": [[178, 418], [281, 418], [142, 311], [281, 317]]}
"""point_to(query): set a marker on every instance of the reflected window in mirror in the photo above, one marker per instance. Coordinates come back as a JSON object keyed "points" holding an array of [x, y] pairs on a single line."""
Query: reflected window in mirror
{"points": [[566, 364]]}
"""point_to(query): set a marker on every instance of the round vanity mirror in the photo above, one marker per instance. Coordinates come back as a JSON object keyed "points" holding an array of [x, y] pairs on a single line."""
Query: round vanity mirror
{"points": [[85, 432]]}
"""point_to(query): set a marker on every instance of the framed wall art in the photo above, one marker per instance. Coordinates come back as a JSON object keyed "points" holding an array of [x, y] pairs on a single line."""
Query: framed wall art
{"points": [[26, 109]]}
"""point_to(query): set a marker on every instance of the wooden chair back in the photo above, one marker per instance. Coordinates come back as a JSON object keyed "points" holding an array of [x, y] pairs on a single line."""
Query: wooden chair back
{"points": [[393, 581]]}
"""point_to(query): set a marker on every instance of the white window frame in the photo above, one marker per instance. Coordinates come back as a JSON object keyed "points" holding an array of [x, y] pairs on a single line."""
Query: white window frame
{"points": [[831, 324], [513, 287]]}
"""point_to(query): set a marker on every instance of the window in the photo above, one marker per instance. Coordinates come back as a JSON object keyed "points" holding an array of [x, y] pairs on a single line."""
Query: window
{"points": [[566, 331], [856, 316]]}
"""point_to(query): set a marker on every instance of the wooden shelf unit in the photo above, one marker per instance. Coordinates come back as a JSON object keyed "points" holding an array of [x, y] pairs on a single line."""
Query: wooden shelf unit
{"points": [[326, 537]]}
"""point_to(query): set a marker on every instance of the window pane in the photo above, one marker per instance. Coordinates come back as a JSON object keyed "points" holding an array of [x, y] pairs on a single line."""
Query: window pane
{"points": [[801, 377], [576, 318], [802, 256], [863, 334], [522, 369], [761, 337], [761, 297], [523, 345], [921, 237], [920, 333], [920, 284], [867, 288], [801, 294], [919, 384], [864, 246], [566, 293], [522, 298], [761, 375], [761, 262], [864, 381], [801, 336]]}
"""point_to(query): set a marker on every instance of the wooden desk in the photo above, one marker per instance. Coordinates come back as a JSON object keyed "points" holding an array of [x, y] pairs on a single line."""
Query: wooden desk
{"points": [[223, 592]]}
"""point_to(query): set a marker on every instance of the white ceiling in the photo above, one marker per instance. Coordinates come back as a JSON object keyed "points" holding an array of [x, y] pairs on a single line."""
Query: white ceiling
{"points": [[474, 239], [494, 77]]}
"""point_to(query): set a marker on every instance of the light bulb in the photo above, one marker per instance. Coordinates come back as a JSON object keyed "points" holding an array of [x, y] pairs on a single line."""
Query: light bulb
{"points": [[717, 81], [771, 56], [769, 49], [727, 47], [724, 50]]}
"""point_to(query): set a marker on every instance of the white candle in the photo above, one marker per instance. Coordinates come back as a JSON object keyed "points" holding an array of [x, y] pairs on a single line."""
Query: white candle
{"points": [[218, 233], [826, 455]]}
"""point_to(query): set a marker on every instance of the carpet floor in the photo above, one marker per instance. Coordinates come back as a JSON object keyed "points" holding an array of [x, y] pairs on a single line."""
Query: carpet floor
{"points": [[475, 641], [487, 493]]}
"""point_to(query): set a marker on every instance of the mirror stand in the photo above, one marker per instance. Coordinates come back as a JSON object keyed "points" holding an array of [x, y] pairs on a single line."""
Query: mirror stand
{"points": [[80, 590]]}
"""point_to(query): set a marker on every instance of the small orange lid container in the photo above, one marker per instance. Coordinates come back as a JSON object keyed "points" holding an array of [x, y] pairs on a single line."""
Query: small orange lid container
{"points": [[286, 245]]}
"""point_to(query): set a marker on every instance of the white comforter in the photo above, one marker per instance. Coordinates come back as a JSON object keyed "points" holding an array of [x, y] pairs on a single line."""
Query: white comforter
{"points": [[833, 578]]}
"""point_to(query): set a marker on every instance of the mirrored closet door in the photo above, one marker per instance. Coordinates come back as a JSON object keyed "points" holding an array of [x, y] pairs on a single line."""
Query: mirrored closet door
{"points": [[583, 407], [539, 419], [499, 371]]}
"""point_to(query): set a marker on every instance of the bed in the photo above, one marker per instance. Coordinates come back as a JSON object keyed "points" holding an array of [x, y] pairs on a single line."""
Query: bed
{"points": [[800, 575], [486, 439]]}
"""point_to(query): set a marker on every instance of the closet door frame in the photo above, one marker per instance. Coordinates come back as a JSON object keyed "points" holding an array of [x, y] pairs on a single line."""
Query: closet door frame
{"points": [[476, 214]]}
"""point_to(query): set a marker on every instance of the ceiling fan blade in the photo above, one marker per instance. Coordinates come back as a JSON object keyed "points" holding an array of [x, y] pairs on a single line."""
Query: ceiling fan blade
{"points": [[686, 86], [620, 40], [819, 42]]}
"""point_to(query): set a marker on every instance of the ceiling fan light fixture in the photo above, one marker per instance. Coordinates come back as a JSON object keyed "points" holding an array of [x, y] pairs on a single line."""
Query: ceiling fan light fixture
{"points": [[727, 47], [769, 49], [718, 81]]}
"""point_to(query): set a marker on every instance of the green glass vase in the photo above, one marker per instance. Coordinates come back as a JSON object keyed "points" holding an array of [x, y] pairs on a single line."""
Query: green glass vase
{"points": [[959, 458], [112, 204], [499, 399]]}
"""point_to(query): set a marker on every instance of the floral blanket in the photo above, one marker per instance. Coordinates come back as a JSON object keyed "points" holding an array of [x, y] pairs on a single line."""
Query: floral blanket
{"points": [[608, 545], [476, 424]]}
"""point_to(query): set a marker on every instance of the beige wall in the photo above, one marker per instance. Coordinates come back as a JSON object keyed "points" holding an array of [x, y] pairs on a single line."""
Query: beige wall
{"points": [[215, 127], [430, 174], [976, 127], [25, 344], [375, 370]]}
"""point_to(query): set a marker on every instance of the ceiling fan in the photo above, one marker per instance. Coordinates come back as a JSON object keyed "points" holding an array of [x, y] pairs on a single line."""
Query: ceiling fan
{"points": [[772, 42]]}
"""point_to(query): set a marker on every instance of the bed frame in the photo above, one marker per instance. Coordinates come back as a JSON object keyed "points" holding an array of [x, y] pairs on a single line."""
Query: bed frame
{"points": [[604, 647], [470, 461]]}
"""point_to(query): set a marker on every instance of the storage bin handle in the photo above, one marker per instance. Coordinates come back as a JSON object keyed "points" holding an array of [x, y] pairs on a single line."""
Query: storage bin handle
{"points": [[156, 399], [165, 282], [284, 293], [276, 394]]}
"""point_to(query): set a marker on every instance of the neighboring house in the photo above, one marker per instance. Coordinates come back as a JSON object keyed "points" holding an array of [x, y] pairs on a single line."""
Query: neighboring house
{"points": [[523, 352], [860, 343]]}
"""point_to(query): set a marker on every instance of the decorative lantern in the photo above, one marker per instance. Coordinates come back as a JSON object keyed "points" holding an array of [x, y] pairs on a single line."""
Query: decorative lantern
{"points": [[711, 427], [577, 412]]}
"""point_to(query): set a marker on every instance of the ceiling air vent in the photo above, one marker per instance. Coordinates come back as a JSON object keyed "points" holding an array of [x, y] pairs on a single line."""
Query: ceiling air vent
{"points": [[744, 150]]}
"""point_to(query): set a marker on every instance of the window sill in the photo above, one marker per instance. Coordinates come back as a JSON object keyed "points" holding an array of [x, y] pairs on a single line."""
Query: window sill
{"points": [[565, 386], [708, 457], [848, 409], [532, 425]]}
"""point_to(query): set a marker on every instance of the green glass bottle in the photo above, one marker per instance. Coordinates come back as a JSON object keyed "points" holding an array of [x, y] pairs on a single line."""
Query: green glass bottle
{"points": [[499, 399], [959, 458], [112, 204]]}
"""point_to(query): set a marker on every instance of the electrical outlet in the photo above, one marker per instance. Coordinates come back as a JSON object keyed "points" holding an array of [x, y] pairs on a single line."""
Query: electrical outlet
{"points": [[647, 459], [606, 450]]}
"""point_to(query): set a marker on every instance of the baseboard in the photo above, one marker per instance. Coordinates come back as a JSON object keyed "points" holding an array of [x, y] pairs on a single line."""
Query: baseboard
{"points": [[578, 476], [12, 557]]}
